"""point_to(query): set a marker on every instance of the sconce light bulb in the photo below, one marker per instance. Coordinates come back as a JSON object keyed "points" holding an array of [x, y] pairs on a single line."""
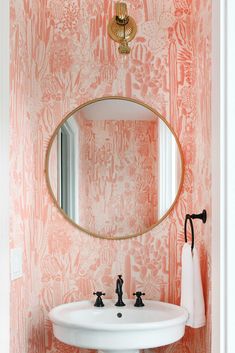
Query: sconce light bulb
{"points": [[121, 10]]}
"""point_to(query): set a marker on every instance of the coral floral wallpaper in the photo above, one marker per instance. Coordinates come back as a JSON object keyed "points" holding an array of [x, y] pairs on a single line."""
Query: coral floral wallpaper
{"points": [[61, 56], [118, 175]]}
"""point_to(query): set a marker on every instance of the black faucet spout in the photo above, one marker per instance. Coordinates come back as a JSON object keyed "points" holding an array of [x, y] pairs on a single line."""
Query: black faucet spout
{"points": [[119, 291]]}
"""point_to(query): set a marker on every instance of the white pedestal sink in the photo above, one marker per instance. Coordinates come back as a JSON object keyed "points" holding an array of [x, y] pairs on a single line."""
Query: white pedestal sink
{"points": [[114, 329]]}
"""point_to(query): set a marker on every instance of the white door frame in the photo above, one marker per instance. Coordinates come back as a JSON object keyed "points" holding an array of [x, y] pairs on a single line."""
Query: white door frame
{"points": [[223, 174], [4, 178]]}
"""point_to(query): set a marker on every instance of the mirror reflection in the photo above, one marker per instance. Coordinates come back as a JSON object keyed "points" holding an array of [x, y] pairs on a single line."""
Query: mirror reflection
{"points": [[114, 167]]}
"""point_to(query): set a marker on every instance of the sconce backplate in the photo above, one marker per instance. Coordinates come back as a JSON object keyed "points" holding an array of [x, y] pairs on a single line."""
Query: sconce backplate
{"points": [[118, 32]]}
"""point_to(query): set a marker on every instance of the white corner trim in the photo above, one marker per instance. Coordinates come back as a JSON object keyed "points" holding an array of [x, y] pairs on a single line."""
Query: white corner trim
{"points": [[222, 178], [229, 176], [216, 341], [4, 178]]}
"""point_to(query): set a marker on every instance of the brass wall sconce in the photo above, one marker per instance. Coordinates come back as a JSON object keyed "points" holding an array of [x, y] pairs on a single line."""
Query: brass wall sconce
{"points": [[122, 28]]}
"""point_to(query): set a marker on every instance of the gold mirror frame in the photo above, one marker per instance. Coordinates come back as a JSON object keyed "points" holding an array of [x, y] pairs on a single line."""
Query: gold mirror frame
{"points": [[48, 156]]}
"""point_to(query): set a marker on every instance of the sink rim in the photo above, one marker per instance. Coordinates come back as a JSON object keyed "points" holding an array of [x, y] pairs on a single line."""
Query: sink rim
{"points": [[180, 318]]}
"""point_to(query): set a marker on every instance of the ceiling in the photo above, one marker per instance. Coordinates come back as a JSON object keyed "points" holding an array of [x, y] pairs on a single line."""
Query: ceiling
{"points": [[116, 109]]}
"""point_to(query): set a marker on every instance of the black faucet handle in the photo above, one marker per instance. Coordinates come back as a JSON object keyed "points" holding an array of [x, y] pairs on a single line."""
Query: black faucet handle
{"points": [[138, 294], [99, 303], [139, 301], [99, 294]]}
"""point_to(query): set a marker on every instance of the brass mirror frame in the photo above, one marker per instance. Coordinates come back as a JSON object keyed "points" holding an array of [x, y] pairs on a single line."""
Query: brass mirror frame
{"points": [[48, 156]]}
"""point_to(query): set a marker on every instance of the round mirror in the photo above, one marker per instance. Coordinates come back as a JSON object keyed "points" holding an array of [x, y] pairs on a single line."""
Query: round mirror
{"points": [[114, 167]]}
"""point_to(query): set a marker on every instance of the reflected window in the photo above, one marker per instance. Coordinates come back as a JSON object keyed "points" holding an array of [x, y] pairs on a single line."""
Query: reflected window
{"points": [[67, 164], [168, 169]]}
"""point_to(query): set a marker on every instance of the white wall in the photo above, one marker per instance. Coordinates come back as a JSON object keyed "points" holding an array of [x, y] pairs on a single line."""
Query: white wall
{"points": [[4, 177]]}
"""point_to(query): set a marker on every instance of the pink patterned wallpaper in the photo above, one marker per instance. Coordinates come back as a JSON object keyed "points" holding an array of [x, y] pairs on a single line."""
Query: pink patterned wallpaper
{"points": [[118, 175], [61, 57]]}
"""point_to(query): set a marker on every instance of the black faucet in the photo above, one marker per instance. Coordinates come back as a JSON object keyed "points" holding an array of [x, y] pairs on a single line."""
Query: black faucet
{"points": [[139, 301], [119, 291], [99, 303]]}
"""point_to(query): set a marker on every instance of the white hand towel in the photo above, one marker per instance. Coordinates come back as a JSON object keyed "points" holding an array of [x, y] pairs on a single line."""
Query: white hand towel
{"points": [[187, 281], [199, 319], [191, 287]]}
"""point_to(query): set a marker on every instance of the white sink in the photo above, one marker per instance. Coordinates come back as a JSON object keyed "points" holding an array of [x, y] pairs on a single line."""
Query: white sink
{"points": [[113, 328]]}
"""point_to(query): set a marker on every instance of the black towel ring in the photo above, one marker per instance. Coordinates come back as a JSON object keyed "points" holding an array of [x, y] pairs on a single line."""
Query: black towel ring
{"points": [[188, 217]]}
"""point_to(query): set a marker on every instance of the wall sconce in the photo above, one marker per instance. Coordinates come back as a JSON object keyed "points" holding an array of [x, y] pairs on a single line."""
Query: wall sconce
{"points": [[122, 28]]}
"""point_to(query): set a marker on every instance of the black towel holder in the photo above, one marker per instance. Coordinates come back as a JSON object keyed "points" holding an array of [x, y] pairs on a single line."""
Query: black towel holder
{"points": [[188, 217]]}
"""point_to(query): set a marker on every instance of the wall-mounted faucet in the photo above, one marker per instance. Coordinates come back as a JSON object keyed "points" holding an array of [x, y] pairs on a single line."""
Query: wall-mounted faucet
{"points": [[119, 291]]}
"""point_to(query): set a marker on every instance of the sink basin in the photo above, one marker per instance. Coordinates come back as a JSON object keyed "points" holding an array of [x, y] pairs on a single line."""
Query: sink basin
{"points": [[111, 328]]}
